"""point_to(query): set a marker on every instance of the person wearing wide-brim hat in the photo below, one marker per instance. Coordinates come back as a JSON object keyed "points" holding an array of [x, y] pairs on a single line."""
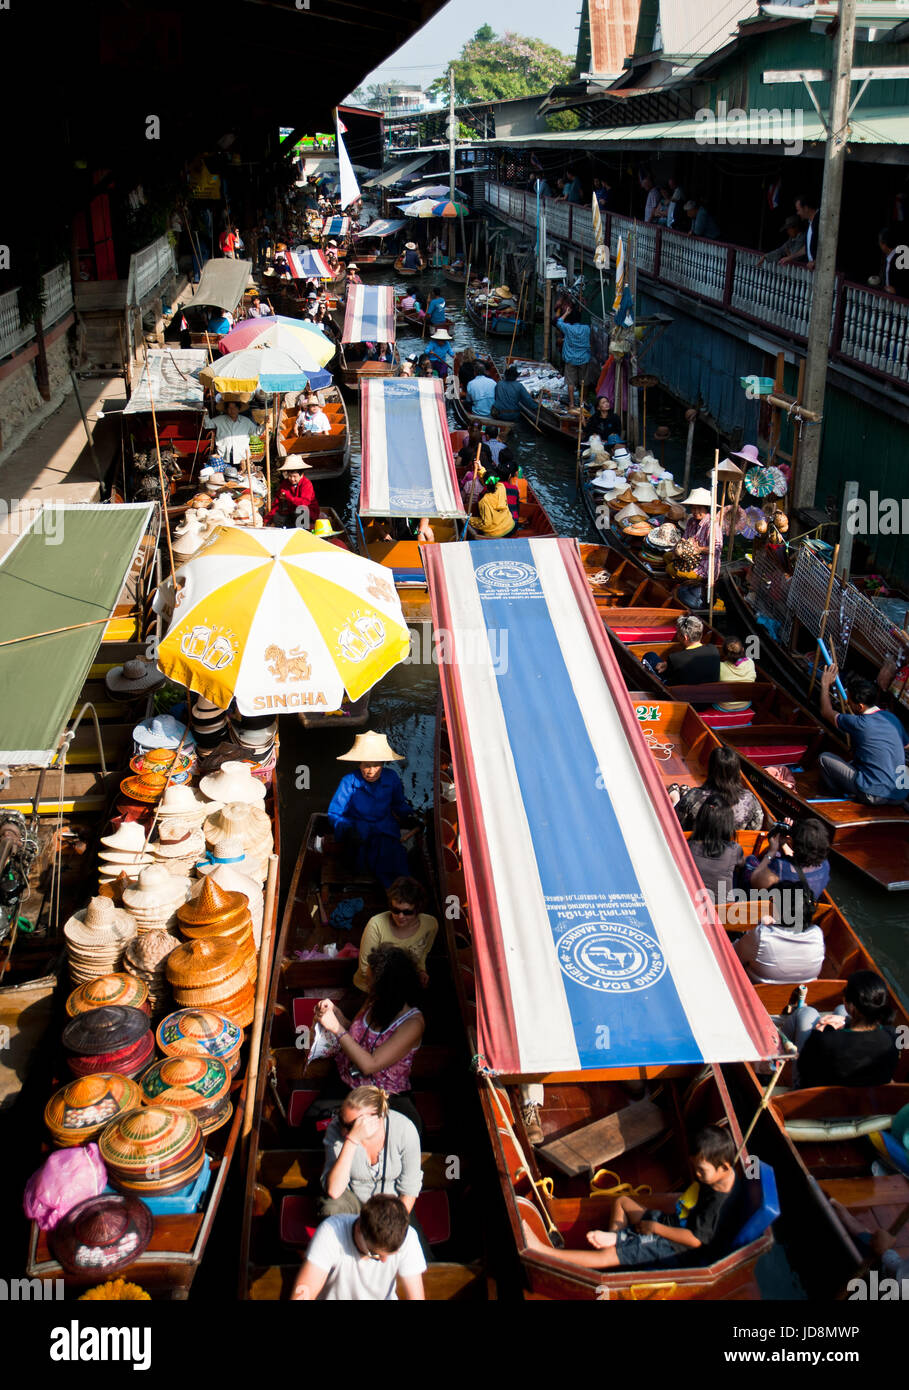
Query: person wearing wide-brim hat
{"points": [[441, 352], [295, 503], [369, 808], [133, 679], [412, 259], [697, 529]]}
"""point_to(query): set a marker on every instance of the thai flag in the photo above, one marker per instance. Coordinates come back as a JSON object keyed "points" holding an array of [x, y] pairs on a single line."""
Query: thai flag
{"points": [[773, 194]]}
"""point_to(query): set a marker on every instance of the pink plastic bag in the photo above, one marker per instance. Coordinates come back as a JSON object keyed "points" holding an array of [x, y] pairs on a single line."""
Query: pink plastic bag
{"points": [[67, 1177]]}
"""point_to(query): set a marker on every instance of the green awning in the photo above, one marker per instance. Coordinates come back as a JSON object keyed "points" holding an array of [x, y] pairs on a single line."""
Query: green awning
{"points": [[67, 567]]}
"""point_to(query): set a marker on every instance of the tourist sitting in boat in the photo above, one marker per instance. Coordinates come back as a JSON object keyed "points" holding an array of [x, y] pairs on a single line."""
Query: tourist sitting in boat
{"points": [[405, 924], [435, 309], [353, 274], [877, 774], [697, 663], [493, 442], [379, 352], [474, 441], [724, 779], [781, 950], [312, 420], [717, 855], [473, 485], [220, 321], [697, 529], [363, 1258], [427, 366], [296, 503], [412, 260], [510, 395], [440, 350], [736, 666], [331, 255], [369, 808], [384, 1037], [258, 310], [795, 874], [853, 1046], [494, 519], [232, 434], [673, 1225], [411, 301], [481, 391], [369, 1149], [508, 469], [603, 422]]}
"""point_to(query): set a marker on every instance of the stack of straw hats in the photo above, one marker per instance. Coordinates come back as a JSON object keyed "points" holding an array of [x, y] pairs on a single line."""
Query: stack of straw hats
{"points": [[145, 959], [233, 782], [199, 1084], [178, 766], [218, 914], [249, 824], [79, 1111], [178, 846], [154, 898], [213, 974], [119, 988], [200, 1033], [183, 803], [112, 1038], [153, 1150], [234, 877], [124, 850], [96, 938]]}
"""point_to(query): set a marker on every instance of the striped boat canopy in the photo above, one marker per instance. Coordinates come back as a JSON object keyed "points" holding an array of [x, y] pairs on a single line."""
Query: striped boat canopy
{"points": [[307, 264], [335, 226], [591, 954], [370, 314], [408, 466], [383, 226]]}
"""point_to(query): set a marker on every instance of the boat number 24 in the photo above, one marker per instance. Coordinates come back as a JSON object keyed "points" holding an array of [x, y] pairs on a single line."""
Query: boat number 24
{"points": [[647, 713]]}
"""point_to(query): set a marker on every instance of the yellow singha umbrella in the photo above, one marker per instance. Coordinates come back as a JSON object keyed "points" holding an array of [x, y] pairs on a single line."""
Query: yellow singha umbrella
{"points": [[281, 621]]}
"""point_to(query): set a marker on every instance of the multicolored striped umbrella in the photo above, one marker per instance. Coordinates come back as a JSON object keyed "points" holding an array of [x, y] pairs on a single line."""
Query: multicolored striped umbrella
{"points": [[266, 368], [280, 331]]}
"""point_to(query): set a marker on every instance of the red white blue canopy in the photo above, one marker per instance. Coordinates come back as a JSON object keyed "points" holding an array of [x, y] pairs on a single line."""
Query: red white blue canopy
{"points": [[590, 951], [407, 466], [307, 264], [335, 226], [370, 314]]}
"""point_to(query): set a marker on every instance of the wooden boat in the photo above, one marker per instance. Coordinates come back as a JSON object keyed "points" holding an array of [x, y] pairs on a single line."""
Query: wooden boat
{"points": [[409, 270], [455, 277], [353, 373], [496, 323], [420, 321], [779, 731], [368, 262], [812, 1168], [460, 402], [628, 546], [618, 583], [551, 417], [286, 1156], [328, 455]]}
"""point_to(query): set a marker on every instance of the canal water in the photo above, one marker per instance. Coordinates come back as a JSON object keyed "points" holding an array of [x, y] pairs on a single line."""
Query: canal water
{"points": [[404, 705]]}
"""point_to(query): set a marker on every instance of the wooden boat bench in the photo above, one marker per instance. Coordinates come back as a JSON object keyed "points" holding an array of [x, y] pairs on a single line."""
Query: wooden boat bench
{"points": [[586, 1149]]}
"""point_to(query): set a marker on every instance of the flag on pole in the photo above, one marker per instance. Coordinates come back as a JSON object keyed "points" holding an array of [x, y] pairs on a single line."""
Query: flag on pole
{"points": [[350, 189], [601, 250], [619, 275]]}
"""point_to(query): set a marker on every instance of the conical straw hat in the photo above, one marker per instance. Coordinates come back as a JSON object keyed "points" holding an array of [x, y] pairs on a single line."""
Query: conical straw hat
{"points": [[233, 782], [201, 963], [370, 748], [213, 905]]}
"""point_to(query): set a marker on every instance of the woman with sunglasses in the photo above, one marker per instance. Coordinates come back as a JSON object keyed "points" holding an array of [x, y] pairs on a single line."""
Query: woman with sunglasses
{"points": [[369, 1150], [404, 925], [383, 1039]]}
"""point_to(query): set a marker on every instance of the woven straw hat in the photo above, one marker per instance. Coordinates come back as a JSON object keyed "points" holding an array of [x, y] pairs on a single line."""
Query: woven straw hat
{"points": [[199, 1033], [212, 906], [700, 497], [189, 541], [80, 1110], [156, 889], [146, 786], [370, 748], [100, 924], [129, 837], [106, 990], [102, 1234], [294, 463], [183, 802], [645, 492], [163, 731], [630, 513], [667, 489], [233, 782], [198, 964]]}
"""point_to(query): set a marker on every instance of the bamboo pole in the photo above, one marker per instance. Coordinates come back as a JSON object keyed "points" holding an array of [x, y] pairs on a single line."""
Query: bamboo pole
{"points": [[52, 631], [712, 546], [517, 319], [262, 983], [823, 626], [577, 462], [737, 497], [151, 401]]}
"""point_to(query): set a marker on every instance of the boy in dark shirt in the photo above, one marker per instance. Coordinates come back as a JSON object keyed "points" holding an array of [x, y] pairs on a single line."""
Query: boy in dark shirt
{"points": [[673, 1227]]}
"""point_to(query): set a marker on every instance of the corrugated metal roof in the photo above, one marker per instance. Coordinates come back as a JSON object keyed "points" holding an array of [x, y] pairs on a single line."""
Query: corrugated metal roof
{"points": [[873, 127], [396, 172]]}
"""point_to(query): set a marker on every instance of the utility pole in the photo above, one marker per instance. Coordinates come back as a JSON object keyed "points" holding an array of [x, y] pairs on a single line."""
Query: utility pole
{"points": [[824, 275], [452, 131]]}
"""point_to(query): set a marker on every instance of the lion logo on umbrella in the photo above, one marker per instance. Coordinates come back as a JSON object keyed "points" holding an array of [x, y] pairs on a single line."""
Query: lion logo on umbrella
{"points": [[288, 666]]}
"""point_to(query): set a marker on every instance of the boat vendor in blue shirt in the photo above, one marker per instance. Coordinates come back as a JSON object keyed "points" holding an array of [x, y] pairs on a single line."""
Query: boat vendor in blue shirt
{"points": [[369, 807], [440, 350], [436, 308], [575, 351], [510, 395], [877, 774]]}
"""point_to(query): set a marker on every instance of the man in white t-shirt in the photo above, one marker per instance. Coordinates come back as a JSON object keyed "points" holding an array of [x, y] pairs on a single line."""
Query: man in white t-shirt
{"points": [[361, 1258]]}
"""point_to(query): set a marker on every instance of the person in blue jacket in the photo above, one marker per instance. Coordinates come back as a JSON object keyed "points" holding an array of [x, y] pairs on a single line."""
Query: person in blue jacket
{"points": [[369, 809]]}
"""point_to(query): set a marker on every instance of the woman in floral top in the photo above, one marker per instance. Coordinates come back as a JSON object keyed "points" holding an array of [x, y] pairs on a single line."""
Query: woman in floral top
{"points": [[725, 780]]}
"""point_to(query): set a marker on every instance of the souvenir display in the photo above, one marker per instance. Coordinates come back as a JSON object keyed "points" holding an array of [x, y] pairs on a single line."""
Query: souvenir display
{"points": [[200, 1033], [96, 938], [81, 1109], [154, 898], [102, 1234], [118, 988], [199, 1084], [146, 958], [213, 973], [152, 1150]]}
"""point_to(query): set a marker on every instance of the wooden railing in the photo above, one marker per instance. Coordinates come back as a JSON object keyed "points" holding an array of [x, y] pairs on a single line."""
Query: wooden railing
{"points": [[148, 267], [57, 296], [869, 328]]}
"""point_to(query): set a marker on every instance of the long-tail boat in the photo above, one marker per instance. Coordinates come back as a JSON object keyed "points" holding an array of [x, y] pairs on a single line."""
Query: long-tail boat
{"points": [[178, 399], [328, 455], [369, 317], [818, 1138], [778, 731], [584, 965], [496, 322], [550, 416], [286, 1157], [420, 321], [369, 249]]}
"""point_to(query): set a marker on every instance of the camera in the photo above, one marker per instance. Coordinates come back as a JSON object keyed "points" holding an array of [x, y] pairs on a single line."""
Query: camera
{"points": [[779, 828]]}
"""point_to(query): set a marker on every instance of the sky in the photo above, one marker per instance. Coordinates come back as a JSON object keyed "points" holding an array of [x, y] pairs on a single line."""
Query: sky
{"points": [[427, 54]]}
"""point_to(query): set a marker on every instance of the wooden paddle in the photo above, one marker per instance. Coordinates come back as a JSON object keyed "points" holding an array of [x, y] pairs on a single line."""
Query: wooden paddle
{"points": [[823, 627]]}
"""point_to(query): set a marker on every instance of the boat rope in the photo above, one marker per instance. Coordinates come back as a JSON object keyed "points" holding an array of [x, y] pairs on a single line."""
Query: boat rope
{"points": [[618, 1188], [765, 1101]]}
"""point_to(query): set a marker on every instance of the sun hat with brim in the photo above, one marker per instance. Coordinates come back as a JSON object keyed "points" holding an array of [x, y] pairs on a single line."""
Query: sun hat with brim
{"points": [[668, 490], [746, 457], [294, 463], [323, 529], [233, 782], [146, 786], [128, 837], [630, 513], [442, 334], [155, 889], [163, 731], [136, 677], [113, 860], [370, 748], [699, 497], [185, 802], [238, 820], [606, 479], [100, 924], [188, 846], [168, 760], [80, 1110], [665, 537], [410, 246], [190, 542], [102, 1234], [620, 455], [107, 990], [644, 492]]}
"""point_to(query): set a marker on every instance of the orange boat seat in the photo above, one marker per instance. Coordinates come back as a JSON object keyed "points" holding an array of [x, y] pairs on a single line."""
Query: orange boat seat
{"points": [[300, 1101], [299, 1218], [434, 1215]]}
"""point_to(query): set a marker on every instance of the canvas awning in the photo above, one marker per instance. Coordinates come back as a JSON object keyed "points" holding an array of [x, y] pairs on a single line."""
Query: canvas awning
{"points": [[68, 567], [222, 284], [175, 381], [307, 264], [383, 226], [590, 952], [407, 464], [335, 226], [369, 316], [397, 172]]}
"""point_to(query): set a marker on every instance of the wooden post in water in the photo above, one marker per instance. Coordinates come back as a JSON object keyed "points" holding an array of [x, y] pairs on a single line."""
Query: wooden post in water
{"points": [[712, 547], [547, 318]]}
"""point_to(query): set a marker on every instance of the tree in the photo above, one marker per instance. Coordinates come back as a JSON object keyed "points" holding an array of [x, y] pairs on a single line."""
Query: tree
{"points": [[358, 97], [491, 68], [563, 120]]}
